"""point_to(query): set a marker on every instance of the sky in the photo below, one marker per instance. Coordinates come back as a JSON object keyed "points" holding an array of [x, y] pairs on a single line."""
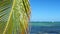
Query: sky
{"points": [[45, 10]]}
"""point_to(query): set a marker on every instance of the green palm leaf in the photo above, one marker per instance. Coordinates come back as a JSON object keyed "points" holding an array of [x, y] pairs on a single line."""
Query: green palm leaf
{"points": [[14, 16]]}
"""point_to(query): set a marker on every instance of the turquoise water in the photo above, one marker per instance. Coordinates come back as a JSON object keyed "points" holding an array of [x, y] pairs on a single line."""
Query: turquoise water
{"points": [[45, 23], [45, 27]]}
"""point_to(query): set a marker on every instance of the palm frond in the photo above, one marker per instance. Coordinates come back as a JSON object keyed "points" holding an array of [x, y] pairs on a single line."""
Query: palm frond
{"points": [[14, 16]]}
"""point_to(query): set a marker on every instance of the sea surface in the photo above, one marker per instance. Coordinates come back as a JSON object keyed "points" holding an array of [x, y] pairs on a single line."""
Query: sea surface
{"points": [[45, 28]]}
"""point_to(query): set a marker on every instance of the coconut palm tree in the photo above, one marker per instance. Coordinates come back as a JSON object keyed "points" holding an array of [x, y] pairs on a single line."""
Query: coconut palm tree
{"points": [[14, 16]]}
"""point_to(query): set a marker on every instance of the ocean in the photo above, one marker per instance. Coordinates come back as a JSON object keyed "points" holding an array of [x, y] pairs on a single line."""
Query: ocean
{"points": [[45, 28]]}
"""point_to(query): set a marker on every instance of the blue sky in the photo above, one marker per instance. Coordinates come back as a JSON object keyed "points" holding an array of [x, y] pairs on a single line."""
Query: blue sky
{"points": [[45, 10]]}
